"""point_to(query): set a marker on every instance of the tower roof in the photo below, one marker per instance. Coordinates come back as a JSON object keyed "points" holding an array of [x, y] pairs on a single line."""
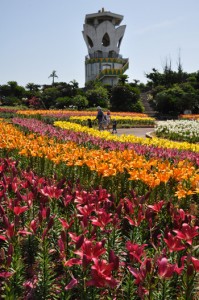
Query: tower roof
{"points": [[103, 15]]}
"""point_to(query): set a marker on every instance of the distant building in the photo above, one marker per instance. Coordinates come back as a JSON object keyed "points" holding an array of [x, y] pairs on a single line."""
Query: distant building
{"points": [[103, 37]]}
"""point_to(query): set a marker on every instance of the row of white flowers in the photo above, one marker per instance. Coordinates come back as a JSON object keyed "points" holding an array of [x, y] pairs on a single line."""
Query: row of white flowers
{"points": [[184, 130]]}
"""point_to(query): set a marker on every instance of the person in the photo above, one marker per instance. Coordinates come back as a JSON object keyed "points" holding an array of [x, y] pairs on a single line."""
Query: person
{"points": [[89, 123], [100, 118], [108, 119], [114, 128]]}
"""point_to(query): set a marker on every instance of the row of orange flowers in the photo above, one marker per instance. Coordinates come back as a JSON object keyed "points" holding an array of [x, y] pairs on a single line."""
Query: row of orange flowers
{"points": [[189, 116], [152, 172], [77, 113]]}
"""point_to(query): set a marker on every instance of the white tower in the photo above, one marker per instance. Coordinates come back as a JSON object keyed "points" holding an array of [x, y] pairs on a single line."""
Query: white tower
{"points": [[103, 37]]}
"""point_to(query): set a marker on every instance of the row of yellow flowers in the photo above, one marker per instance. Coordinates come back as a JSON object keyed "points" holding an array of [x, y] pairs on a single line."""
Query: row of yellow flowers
{"points": [[116, 117], [128, 138], [151, 172]]}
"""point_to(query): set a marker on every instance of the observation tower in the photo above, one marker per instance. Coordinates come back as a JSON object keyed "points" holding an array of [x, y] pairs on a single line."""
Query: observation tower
{"points": [[103, 36]]}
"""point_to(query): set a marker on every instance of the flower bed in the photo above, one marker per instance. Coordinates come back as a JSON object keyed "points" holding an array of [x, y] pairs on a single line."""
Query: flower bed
{"points": [[179, 130], [189, 117], [60, 241], [95, 216], [80, 117]]}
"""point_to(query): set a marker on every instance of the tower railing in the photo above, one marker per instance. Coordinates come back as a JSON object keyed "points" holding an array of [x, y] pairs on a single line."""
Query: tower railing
{"points": [[119, 59], [113, 71]]}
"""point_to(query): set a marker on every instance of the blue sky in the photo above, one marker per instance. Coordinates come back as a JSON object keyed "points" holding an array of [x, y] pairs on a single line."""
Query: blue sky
{"points": [[39, 36]]}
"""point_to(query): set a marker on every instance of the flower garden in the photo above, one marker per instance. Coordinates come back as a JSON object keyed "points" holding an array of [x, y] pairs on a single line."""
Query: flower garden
{"points": [[86, 214], [179, 130]]}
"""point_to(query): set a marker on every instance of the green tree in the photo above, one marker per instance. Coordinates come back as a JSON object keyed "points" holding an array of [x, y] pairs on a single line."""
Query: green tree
{"points": [[169, 101], [80, 101], [98, 96], [124, 98], [32, 87], [49, 96], [53, 75], [11, 93], [75, 84], [122, 79], [155, 77], [63, 102], [33, 90]]}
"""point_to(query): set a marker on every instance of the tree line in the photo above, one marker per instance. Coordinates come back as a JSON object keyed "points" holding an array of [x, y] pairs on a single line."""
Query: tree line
{"points": [[169, 93]]}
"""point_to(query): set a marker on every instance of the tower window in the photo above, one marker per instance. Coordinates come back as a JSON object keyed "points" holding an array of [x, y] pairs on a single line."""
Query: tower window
{"points": [[119, 42], [112, 54], [106, 66], [106, 40], [90, 42]]}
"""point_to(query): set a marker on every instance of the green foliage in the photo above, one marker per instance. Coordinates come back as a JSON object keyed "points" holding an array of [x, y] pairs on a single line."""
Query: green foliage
{"points": [[11, 93], [174, 91], [49, 96], [46, 277], [63, 102], [13, 288], [124, 98], [80, 101], [175, 100], [97, 96], [10, 101], [53, 75], [138, 107], [122, 79]]}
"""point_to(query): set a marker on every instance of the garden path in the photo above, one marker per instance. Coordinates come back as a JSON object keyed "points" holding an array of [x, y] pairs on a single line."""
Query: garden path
{"points": [[140, 132]]}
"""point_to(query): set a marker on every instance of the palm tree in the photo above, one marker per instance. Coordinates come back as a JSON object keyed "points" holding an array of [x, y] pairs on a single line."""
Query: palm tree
{"points": [[53, 75], [122, 79], [75, 84], [32, 87]]}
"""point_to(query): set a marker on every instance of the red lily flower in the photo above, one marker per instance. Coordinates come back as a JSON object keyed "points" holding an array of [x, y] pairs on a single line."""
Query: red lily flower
{"points": [[65, 224], [28, 198], [2, 211], [195, 262], [157, 206], [187, 233], [75, 238], [61, 246], [90, 250], [67, 199], [10, 230], [86, 210], [24, 232], [33, 226], [135, 251], [19, 210], [173, 243], [2, 237], [73, 261], [51, 192], [136, 219], [49, 226], [103, 218], [101, 273], [127, 205], [15, 184], [165, 269], [139, 274], [114, 259], [179, 270], [72, 283], [6, 274]]}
